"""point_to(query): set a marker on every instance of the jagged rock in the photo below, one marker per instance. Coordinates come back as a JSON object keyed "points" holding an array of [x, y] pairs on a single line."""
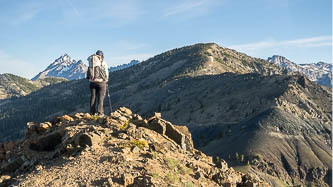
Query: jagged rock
{"points": [[42, 127], [62, 119], [126, 111], [5, 180], [127, 179], [122, 136], [137, 117], [158, 115], [227, 178], [163, 127], [4, 177], [221, 164], [65, 118], [86, 115], [113, 153], [188, 137], [156, 125], [31, 129], [77, 116], [135, 149], [198, 175], [84, 140], [46, 143], [175, 135]]}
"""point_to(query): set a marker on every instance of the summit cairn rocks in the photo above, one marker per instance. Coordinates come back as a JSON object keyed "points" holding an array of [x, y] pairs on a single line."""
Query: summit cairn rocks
{"points": [[122, 149]]}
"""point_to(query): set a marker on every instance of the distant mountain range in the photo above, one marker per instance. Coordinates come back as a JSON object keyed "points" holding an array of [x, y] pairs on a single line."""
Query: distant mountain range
{"points": [[259, 117], [123, 66], [68, 68], [64, 67], [320, 72]]}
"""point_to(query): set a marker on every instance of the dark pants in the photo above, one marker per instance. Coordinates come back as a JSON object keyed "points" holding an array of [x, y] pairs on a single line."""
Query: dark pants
{"points": [[97, 91]]}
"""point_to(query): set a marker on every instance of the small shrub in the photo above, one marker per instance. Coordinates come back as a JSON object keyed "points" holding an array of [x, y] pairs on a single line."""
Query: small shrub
{"points": [[184, 170], [94, 118], [139, 143], [125, 125], [189, 184], [172, 178], [156, 176], [171, 163], [154, 155]]}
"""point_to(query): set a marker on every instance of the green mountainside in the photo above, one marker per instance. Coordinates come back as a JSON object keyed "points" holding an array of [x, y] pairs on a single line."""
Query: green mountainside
{"points": [[253, 114], [13, 85]]}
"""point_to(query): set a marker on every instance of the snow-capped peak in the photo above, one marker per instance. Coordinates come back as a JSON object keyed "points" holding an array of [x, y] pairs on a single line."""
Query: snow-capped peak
{"points": [[283, 62], [319, 72], [65, 67]]}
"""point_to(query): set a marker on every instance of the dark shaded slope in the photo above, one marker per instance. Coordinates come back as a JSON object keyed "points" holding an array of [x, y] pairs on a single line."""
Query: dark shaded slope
{"points": [[279, 144], [42, 105]]}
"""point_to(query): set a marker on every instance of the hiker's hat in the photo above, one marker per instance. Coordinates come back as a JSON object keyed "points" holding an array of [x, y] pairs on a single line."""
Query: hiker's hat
{"points": [[100, 53]]}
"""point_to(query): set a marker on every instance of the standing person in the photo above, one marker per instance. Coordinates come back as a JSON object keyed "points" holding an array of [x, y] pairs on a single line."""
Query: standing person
{"points": [[98, 76]]}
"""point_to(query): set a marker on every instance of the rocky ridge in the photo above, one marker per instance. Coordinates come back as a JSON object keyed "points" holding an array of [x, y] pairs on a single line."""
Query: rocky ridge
{"points": [[117, 150], [123, 66], [320, 72], [64, 67]]}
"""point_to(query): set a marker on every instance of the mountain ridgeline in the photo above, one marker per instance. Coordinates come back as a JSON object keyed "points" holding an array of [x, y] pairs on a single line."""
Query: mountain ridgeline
{"points": [[64, 67], [16, 86], [123, 66], [254, 114], [320, 72]]}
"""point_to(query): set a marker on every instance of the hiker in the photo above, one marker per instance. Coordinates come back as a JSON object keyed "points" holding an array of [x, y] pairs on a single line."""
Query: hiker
{"points": [[98, 76]]}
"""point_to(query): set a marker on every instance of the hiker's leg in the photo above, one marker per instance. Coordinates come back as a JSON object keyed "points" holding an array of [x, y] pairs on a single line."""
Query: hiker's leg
{"points": [[101, 96], [92, 99]]}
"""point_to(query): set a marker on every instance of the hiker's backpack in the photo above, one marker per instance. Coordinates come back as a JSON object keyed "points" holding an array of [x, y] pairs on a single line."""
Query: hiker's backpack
{"points": [[96, 71]]}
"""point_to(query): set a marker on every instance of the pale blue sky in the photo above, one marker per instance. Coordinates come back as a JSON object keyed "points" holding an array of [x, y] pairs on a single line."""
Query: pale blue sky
{"points": [[35, 32]]}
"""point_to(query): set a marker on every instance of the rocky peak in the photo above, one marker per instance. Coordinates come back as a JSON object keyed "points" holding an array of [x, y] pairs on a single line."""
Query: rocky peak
{"points": [[64, 67], [283, 62], [320, 72], [63, 60], [278, 58], [122, 149]]}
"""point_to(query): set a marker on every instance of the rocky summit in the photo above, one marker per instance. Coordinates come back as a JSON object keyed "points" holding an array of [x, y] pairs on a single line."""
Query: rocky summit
{"points": [[64, 67], [117, 150]]}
